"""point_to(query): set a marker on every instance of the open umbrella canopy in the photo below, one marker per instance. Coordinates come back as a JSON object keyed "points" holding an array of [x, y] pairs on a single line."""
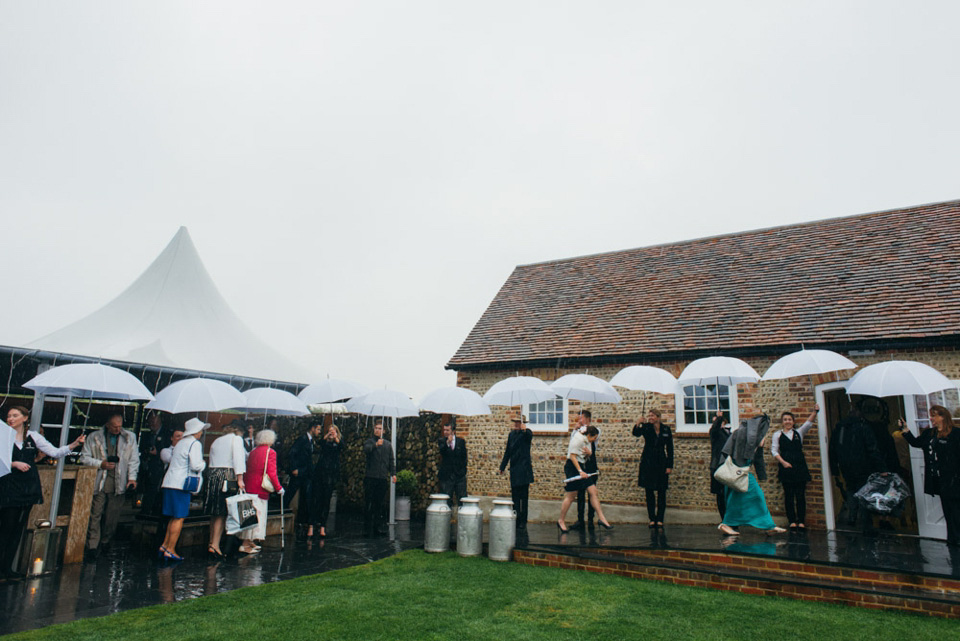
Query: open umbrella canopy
{"points": [[329, 408], [645, 378], [383, 402], [519, 390], [454, 400], [807, 362], [584, 387], [898, 378], [7, 437], [266, 400], [89, 380], [331, 390], [718, 370], [197, 395]]}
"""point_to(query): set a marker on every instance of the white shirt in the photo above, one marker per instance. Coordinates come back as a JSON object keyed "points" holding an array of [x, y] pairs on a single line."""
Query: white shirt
{"points": [[578, 440], [228, 451], [45, 446], [186, 460], [775, 442]]}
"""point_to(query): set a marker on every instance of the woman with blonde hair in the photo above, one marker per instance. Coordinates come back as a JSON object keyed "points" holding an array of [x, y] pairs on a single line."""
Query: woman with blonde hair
{"points": [[328, 473], [261, 479], [941, 455], [228, 462]]}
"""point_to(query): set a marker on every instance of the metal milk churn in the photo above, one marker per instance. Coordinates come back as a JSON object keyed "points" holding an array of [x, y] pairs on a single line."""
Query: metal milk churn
{"points": [[470, 527], [437, 535], [503, 532]]}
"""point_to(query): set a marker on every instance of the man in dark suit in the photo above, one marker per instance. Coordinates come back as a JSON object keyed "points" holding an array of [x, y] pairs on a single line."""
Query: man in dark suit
{"points": [[381, 470], [453, 465], [517, 455], [300, 461]]}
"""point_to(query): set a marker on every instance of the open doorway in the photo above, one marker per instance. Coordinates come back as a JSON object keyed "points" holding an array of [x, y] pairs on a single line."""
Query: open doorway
{"points": [[881, 415]]}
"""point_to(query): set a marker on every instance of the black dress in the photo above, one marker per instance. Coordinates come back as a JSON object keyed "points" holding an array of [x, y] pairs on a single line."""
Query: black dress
{"points": [[718, 438], [791, 451], [657, 456]]}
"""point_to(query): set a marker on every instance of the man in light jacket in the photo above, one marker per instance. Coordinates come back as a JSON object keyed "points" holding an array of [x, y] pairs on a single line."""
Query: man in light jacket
{"points": [[114, 451]]}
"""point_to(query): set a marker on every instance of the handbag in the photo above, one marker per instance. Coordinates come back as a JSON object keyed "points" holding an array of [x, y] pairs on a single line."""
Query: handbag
{"points": [[733, 476], [266, 484], [191, 483]]}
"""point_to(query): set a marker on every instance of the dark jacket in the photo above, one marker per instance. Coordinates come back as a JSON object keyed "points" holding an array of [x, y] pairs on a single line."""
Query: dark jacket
{"points": [[854, 452], [300, 457], [941, 457], [453, 463], [328, 466], [743, 446], [656, 457], [517, 455], [718, 438], [380, 463]]}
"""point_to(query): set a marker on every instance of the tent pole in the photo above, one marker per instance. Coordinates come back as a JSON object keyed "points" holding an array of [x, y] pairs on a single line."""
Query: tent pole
{"points": [[64, 439], [393, 486]]}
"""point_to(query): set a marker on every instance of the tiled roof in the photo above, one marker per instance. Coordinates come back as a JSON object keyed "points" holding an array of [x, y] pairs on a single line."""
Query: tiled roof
{"points": [[881, 276]]}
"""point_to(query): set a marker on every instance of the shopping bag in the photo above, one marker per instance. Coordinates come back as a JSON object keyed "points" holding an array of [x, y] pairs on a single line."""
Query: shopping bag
{"points": [[241, 512]]}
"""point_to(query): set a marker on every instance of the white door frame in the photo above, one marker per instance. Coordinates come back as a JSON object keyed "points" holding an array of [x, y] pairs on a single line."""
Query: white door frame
{"points": [[825, 472]]}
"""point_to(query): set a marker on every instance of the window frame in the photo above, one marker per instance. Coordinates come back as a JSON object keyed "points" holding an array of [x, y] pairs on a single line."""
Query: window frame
{"points": [[684, 427], [550, 427]]}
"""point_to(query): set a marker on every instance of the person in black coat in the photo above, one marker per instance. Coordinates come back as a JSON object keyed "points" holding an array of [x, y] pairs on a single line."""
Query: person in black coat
{"points": [[453, 465], [855, 454], [300, 464], [656, 464], [517, 456], [719, 433], [380, 472], [941, 474], [327, 474]]}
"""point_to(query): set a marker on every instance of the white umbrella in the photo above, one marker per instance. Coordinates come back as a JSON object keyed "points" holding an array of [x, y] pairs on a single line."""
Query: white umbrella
{"points": [[267, 400], [807, 362], [7, 437], [587, 388], [898, 378], [89, 380], [383, 402], [454, 400], [84, 380], [717, 370], [646, 378], [331, 390], [519, 390], [197, 395]]}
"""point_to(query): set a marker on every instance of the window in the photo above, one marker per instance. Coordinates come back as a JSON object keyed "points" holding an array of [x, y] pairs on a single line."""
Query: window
{"points": [[698, 404], [547, 415], [948, 398]]}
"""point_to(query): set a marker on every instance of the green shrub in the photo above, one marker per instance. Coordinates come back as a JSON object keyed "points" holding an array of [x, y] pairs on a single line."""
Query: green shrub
{"points": [[406, 483]]}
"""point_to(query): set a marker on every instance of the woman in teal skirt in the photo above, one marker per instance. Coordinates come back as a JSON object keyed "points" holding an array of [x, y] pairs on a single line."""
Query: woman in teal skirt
{"points": [[744, 446]]}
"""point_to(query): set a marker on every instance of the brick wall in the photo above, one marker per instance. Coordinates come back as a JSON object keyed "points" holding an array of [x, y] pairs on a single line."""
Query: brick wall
{"points": [[619, 451]]}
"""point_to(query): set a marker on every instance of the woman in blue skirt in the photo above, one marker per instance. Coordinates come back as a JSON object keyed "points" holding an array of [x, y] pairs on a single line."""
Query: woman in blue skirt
{"points": [[744, 446]]}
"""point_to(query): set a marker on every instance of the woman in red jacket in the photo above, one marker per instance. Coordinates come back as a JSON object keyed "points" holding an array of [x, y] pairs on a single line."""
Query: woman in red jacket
{"points": [[261, 479]]}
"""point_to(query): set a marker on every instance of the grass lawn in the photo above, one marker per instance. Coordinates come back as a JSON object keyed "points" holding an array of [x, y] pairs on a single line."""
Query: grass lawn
{"points": [[418, 596]]}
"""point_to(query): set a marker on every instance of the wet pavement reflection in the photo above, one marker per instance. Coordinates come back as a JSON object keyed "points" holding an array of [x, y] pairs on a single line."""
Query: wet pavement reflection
{"points": [[130, 577]]}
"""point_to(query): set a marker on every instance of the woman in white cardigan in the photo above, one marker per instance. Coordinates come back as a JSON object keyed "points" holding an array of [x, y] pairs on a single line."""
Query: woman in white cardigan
{"points": [[186, 461], [228, 462]]}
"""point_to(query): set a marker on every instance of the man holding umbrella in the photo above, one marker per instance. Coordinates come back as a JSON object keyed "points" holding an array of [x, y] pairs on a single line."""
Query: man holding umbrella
{"points": [[381, 468], [517, 455], [452, 472]]}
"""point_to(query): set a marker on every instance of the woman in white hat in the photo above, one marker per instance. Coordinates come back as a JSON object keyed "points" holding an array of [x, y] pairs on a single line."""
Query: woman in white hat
{"points": [[181, 480]]}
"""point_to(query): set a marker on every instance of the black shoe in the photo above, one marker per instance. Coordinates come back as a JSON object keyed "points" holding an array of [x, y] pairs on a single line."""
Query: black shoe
{"points": [[576, 526], [590, 525]]}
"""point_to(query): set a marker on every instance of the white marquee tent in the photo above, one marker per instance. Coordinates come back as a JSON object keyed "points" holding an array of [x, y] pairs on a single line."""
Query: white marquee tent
{"points": [[174, 316]]}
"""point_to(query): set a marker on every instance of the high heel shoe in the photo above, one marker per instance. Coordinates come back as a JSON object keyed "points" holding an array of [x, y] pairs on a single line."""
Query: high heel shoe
{"points": [[213, 554], [605, 526], [167, 555], [562, 529]]}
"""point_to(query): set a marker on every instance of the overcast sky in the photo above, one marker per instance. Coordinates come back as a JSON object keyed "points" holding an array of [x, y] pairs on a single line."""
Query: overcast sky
{"points": [[360, 178]]}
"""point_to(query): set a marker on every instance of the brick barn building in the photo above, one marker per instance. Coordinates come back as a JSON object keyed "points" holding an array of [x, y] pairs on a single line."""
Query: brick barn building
{"points": [[873, 287]]}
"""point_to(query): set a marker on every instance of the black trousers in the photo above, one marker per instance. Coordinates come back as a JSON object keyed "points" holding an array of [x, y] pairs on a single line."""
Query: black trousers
{"points": [[795, 502], [13, 523], [656, 503], [456, 489], [374, 502], [582, 503], [722, 504], [324, 494], [305, 509], [521, 503], [951, 514]]}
